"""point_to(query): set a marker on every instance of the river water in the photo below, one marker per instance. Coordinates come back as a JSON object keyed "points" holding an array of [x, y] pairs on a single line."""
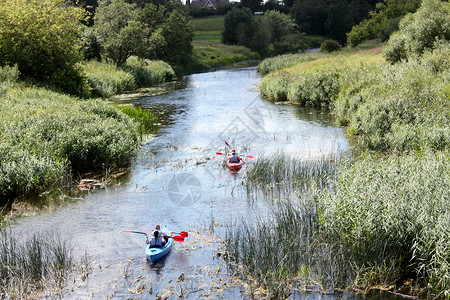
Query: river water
{"points": [[178, 180]]}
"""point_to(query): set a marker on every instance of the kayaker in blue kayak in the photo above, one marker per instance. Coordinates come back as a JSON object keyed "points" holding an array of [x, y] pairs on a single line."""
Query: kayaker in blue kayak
{"points": [[159, 238]]}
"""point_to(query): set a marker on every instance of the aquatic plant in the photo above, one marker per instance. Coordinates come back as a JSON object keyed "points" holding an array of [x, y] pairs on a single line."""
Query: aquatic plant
{"points": [[32, 264]]}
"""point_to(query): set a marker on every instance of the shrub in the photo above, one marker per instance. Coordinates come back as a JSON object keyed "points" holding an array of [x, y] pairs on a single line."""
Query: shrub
{"points": [[45, 135], [9, 74], [420, 31], [330, 46], [148, 72], [107, 79], [42, 38]]}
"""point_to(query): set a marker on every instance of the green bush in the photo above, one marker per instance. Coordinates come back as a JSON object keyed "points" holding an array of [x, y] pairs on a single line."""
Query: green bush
{"points": [[42, 38], [330, 46], [107, 79], [420, 31], [148, 72], [9, 74]]}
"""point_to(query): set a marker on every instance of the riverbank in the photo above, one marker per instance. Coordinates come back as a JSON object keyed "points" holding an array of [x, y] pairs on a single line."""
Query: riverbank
{"points": [[384, 224]]}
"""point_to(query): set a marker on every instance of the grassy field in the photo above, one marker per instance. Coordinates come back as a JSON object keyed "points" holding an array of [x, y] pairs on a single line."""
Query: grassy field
{"points": [[207, 29]]}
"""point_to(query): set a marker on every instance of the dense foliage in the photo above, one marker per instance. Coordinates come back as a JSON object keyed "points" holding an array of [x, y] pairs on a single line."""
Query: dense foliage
{"points": [[41, 38], [382, 21], [45, 135], [425, 30]]}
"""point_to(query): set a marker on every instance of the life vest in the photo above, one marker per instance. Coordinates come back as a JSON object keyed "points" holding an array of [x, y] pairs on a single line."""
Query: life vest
{"points": [[156, 241], [234, 159]]}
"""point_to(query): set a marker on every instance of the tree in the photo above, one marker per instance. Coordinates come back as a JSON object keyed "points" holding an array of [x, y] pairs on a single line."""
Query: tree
{"points": [[310, 16], [339, 20], [119, 27], [382, 17], [231, 22], [279, 24], [41, 37], [178, 35], [420, 31], [253, 5]]}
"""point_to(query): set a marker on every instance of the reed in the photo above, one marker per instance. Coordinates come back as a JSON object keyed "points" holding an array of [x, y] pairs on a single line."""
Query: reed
{"points": [[386, 218], [146, 120], [107, 79], [30, 265], [46, 135], [286, 173]]}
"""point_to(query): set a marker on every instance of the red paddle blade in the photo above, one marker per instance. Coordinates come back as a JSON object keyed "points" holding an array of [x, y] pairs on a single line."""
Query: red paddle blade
{"points": [[184, 234], [178, 238], [250, 156], [227, 144], [219, 153]]}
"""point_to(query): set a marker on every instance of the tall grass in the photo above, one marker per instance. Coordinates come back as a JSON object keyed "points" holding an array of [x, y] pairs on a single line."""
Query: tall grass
{"points": [[45, 135], [146, 120], [33, 264], [107, 79], [148, 72], [387, 218], [283, 173]]}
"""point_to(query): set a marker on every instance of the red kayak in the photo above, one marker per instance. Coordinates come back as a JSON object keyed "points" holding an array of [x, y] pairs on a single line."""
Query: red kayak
{"points": [[235, 166]]}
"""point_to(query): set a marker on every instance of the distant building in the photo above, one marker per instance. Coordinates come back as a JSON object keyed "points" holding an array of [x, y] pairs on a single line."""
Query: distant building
{"points": [[212, 4]]}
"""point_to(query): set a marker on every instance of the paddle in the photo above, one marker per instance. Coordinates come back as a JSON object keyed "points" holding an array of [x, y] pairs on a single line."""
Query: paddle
{"points": [[249, 156], [177, 238], [182, 233]]}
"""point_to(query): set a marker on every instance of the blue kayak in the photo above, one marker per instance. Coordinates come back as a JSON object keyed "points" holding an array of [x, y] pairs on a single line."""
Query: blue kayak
{"points": [[153, 254]]}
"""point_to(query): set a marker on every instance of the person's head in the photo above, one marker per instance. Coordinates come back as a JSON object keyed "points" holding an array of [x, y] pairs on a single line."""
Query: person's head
{"points": [[157, 227]]}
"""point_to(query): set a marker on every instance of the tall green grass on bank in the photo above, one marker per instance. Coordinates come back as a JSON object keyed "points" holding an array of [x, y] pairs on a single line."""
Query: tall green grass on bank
{"points": [[399, 107], [107, 79], [387, 219], [46, 135], [31, 265]]}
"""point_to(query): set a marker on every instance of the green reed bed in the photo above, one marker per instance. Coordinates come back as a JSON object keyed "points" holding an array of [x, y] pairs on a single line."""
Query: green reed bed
{"points": [[46, 135], [107, 79], [388, 218], [148, 72], [30, 265], [285, 173], [147, 121]]}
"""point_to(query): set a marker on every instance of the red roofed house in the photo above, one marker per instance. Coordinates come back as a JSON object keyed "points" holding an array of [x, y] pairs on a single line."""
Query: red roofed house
{"points": [[213, 4]]}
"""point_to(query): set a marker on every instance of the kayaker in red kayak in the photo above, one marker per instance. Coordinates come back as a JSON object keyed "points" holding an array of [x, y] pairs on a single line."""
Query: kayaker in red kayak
{"points": [[233, 157], [159, 238]]}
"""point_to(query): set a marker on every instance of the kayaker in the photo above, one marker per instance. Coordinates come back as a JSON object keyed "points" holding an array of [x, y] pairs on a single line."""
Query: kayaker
{"points": [[159, 238], [233, 157]]}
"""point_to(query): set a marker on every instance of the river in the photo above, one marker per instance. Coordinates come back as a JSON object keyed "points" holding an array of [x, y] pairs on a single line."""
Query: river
{"points": [[178, 179]]}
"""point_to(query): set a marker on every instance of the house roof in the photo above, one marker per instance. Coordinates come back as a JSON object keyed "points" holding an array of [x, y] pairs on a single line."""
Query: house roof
{"points": [[214, 4]]}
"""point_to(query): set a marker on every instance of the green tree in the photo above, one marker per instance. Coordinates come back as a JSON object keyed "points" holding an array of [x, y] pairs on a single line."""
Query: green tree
{"points": [[381, 17], [310, 16], [178, 35], [253, 5], [279, 24], [232, 21], [119, 27], [339, 20], [41, 37], [420, 31]]}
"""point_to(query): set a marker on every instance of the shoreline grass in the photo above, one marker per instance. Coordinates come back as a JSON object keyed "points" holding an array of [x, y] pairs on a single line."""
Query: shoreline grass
{"points": [[42, 261]]}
